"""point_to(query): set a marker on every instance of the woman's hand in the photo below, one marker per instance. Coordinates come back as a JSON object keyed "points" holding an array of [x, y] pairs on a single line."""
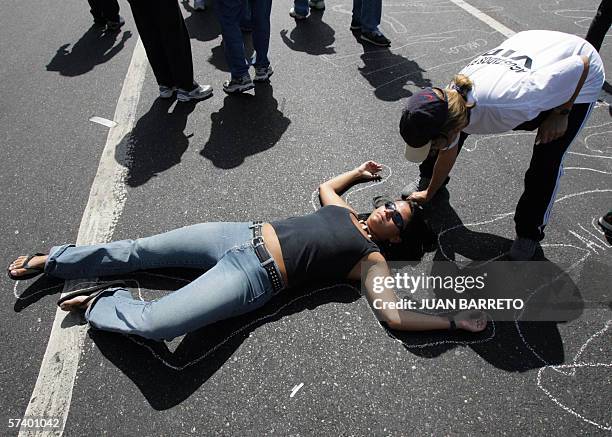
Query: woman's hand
{"points": [[553, 127], [369, 170], [420, 197], [473, 321]]}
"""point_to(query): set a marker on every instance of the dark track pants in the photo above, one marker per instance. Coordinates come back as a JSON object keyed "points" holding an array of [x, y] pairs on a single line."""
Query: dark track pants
{"points": [[104, 10], [542, 178], [166, 41], [600, 24]]}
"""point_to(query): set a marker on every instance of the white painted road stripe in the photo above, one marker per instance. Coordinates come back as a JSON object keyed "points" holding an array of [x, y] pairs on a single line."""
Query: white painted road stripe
{"points": [[490, 21], [53, 391], [103, 121]]}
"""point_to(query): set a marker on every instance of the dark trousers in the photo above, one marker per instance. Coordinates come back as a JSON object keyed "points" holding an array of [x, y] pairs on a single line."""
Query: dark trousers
{"points": [[166, 41], [600, 24], [104, 10], [542, 178]]}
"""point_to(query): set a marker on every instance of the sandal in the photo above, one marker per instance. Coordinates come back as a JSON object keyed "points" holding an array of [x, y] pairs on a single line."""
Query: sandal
{"points": [[91, 292], [31, 271]]}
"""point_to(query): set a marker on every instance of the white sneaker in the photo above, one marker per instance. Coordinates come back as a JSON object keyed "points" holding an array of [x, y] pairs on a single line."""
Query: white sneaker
{"points": [[165, 92], [199, 5], [263, 73], [239, 85], [317, 4], [198, 93]]}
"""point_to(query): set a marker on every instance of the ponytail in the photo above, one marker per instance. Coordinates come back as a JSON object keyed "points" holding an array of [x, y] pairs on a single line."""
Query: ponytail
{"points": [[458, 106]]}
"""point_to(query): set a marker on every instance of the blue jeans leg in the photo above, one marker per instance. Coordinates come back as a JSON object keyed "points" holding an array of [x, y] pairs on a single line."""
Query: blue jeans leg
{"points": [[301, 7], [198, 246], [369, 13], [235, 285], [229, 13], [260, 12]]}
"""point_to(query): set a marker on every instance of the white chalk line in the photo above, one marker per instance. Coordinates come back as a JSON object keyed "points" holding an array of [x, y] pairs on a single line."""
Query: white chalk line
{"points": [[52, 393], [296, 389], [103, 121]]}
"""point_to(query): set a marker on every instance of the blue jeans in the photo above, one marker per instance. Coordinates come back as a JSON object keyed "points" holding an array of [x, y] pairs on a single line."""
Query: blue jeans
{"points": [[234, 283], [368, 13], [230, 13], [301, 7]]}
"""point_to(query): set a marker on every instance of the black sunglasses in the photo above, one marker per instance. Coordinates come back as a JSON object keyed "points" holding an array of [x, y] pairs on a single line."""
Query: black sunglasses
{"points": [[396, 217]]}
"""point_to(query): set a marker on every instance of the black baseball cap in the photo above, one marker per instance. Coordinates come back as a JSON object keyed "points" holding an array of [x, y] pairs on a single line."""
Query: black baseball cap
{"points": [[422, 119]]}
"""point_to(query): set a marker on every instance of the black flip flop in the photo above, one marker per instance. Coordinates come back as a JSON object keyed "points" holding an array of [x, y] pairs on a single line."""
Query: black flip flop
{"points": [[32, 271], [91, 292]]}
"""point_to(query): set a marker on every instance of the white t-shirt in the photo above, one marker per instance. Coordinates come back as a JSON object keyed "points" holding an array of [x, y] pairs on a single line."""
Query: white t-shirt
{"points": [[530, 72]]}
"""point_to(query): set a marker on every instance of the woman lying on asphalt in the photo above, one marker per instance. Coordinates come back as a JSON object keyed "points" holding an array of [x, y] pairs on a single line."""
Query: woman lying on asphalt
{"points": [[246, 263], [537, 79]]}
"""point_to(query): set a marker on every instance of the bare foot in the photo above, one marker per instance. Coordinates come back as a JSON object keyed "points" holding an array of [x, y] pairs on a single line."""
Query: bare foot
{"points": [[76, 303], [16, 266]]}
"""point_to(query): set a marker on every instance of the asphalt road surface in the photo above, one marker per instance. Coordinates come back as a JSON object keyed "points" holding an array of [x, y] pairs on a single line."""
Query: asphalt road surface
{"points": [[314, 361]]}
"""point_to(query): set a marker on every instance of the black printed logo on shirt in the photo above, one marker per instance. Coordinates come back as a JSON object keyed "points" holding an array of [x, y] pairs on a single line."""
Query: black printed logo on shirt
{"points": [[517, 63]]}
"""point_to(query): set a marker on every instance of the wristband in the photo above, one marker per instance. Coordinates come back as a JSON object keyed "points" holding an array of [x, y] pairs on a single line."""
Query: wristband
{"points": [[453, 325]]}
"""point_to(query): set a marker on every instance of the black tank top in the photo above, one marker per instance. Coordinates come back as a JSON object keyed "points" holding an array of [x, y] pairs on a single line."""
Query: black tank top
{"points": [[324, 245]]}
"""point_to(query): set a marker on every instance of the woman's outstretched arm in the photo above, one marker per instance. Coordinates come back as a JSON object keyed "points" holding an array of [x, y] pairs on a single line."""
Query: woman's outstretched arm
{"points": [[383, 300], [330, 191]]}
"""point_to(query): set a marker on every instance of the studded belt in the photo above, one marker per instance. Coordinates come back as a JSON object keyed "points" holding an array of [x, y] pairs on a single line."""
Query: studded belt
{"points": [[266, 260]]}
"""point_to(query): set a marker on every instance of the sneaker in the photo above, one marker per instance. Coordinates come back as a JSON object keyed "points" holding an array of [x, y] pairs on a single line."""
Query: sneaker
{"points": [[376, 38], [522, 249], [199, 5], [355, 24], [115, 25], [198, 93], [295, 15], [263, 73], [317, 4], [165, 92], [606, 222], [418, 184], [238, 85]]}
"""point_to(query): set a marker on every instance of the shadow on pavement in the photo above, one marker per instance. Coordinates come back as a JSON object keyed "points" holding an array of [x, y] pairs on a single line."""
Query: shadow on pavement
{"points": [[95, 47], [388, 73], [244, 126], [156, 143], [312, 36], [202, 25], [166, 378], [514, 346]]}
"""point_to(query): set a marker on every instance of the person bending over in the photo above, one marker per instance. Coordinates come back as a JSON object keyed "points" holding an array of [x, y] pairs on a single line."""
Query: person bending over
{"points": [[246, 264], [536, 79]]}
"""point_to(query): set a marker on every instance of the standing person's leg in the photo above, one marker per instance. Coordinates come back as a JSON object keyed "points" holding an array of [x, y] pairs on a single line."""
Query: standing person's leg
{"points": [[541, 183], [356, 18], [176, 45], [145, 18], [600, 24], [261, 38], [371, 13], [229, 13], [97, 11], [236, 285], [299, 10], [198, 246], [111, 13]]}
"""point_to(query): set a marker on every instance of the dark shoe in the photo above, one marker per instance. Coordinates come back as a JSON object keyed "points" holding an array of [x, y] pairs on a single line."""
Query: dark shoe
{"points": [[31, 272], [606, 222], [376, 38], [418, 184], [115, 25], [262, 74], [522, 249], [355, 24], [238, 85]]}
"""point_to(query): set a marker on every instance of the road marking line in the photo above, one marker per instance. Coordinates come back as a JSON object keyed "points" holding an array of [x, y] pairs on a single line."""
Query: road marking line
{"points": [[296, 389], [507, 32], [53, 390], [103, 121]]}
